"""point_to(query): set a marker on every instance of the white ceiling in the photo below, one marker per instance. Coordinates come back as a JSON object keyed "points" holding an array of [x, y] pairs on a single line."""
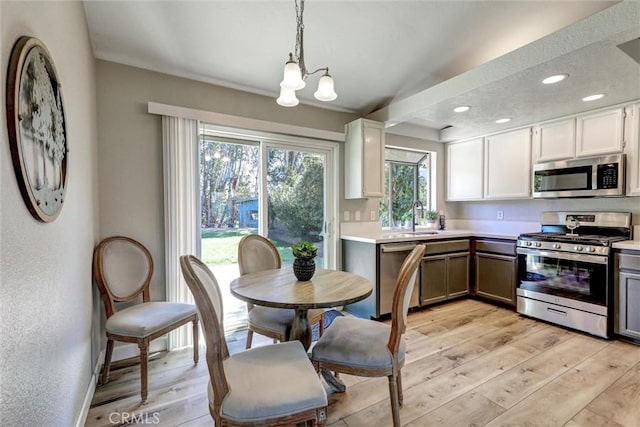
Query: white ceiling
{"points": [[407, 63]]}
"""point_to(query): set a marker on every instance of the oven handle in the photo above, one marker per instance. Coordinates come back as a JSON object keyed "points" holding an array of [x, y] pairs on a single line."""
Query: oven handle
{"points": [[594, 259]]}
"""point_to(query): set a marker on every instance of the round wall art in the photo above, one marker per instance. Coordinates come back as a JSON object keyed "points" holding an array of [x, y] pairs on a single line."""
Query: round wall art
{"points": [[37, 128]]}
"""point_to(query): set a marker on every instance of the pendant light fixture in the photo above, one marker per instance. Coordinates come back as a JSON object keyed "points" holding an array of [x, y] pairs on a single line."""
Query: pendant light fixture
{"points": [[295, 72]]}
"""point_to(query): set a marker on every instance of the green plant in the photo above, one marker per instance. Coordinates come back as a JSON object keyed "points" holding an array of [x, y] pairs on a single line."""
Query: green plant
{"points": [[431, 215], [304, 250]]}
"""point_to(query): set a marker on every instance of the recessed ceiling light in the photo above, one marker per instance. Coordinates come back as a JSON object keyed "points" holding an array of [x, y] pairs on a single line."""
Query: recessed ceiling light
{"points": [[505, 120], [462, 108], [593, 97], [555, 79]]}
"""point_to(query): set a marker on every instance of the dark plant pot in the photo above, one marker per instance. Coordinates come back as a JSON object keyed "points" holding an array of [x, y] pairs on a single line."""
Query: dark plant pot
{"points": [[303, 268]]}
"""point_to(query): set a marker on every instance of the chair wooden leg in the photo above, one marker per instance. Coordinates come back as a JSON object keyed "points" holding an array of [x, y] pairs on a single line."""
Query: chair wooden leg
{"points": [[321, 326], [395, 407], [400, 396], [249, 338], [196, 335], [104, 377], [143, 344]]}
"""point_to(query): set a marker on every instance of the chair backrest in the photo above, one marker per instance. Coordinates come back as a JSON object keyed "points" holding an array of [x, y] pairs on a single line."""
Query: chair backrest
{"points": [[256, 253], [208, 298], [402, 296], [122, 268]]}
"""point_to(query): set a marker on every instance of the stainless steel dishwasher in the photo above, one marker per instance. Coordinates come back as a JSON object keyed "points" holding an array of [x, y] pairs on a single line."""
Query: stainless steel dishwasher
{"points": [[391, 257]]}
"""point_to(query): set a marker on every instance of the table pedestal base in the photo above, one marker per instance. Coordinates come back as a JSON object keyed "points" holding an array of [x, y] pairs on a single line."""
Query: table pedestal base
{"points": [[301, 329]]}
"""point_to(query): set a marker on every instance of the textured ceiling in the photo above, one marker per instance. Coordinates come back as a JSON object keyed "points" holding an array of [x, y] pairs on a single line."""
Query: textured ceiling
{"points": [[406, 62]]}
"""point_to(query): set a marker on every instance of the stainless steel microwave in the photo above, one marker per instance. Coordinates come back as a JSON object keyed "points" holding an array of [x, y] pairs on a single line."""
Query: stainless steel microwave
{"points": [[589, 177]]}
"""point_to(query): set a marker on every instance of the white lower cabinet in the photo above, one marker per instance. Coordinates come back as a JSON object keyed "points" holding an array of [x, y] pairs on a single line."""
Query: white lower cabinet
{"points": [[507, 170], [465, 169]]}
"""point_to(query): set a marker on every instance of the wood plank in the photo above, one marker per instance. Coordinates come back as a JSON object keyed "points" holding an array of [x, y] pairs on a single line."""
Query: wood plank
{"points": [[524, 379], [470, 409], [619, 405], [429, 395], [574, 390]]}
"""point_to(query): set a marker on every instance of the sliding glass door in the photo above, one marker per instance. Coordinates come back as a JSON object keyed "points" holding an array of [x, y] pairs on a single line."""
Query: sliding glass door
{"points": [[279, 189]]}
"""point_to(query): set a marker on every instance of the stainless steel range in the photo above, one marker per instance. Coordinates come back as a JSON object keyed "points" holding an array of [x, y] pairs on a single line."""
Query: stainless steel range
{"points": [[565, 272]]}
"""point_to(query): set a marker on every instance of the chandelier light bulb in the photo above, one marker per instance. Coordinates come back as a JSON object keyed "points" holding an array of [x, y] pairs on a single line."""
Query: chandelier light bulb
{"points": [[325, 90], [292, 75], [287, 97]]}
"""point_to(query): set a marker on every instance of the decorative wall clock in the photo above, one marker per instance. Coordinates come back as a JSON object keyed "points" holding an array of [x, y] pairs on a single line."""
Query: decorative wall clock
{"points": [[37, 128]]}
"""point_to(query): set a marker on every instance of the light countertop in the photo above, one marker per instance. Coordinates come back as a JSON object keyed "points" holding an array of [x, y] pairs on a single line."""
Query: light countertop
{"points": [[633, 245], [404, 236]]}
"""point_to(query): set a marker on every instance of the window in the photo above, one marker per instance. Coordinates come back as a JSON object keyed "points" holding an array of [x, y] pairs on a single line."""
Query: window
{"points": [[407, 175]]}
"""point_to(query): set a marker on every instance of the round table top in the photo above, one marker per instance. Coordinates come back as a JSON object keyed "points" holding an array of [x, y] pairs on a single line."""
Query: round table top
{"points": [[280, 288]]}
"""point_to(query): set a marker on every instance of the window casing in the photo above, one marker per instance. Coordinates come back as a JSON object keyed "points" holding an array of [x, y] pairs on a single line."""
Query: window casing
{"points": [[407, 176]]}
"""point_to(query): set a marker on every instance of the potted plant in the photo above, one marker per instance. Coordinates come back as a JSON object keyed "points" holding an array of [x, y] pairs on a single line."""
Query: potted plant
{"points": [[304, 264], [431, 216]]}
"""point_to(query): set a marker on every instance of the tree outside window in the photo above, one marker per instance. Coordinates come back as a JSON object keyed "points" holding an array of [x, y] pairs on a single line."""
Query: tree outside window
{"points": [[407, 179]]}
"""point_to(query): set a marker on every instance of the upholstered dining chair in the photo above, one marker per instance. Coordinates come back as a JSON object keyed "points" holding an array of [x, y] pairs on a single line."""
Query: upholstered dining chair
{"points": [[256, 253], [274, 385], [369, 348], [122, 268]]}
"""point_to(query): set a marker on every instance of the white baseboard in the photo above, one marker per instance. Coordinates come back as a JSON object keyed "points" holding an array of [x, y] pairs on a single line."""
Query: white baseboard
{"points": [[88, 396], [120, 352]]}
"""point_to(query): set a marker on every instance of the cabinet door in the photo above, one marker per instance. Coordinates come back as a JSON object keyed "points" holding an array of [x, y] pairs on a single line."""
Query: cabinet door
{"points": [[629, 305], [600, 133], [555, 141], [496, 277], [457, 274], [433, 279], [373, 160], [507, 167], [632, 148], [364, 159], [464, 170]]}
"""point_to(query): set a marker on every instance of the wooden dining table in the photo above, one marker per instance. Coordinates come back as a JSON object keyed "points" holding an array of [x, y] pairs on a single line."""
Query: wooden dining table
{"points": [[279, 288]]}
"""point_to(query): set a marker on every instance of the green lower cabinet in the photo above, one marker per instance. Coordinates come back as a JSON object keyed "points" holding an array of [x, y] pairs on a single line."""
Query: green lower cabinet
{"points": [[496, 277], [444, 277]]}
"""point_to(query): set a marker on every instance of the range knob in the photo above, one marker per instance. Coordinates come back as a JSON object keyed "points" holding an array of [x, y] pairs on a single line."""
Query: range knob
{"points": [[591, 249], [538, 244], [579, 248], [556, 246], [527, 243]]}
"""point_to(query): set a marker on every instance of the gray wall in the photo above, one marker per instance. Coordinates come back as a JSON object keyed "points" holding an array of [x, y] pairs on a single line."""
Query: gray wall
{"points": [[46, 301], [130, 144]]}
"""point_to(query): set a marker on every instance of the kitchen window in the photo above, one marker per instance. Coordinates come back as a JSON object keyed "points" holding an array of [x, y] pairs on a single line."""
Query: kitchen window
{"points": [[407, 178]]}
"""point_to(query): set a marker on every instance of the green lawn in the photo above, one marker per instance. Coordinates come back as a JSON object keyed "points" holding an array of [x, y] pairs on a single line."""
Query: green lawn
{"points": [[220, 247]]}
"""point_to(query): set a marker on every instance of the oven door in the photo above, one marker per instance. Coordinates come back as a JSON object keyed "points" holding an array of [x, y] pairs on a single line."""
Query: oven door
{"points": [[578, 277]]}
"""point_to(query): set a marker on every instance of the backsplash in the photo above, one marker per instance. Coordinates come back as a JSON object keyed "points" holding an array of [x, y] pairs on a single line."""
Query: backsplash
{"points": [[531, 210]]}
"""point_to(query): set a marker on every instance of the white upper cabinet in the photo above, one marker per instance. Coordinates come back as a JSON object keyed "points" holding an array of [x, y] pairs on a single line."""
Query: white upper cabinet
{"points": [[507, 167], [364, 159], [632, 148], [600, 133], [555, 140], [465, 169]]}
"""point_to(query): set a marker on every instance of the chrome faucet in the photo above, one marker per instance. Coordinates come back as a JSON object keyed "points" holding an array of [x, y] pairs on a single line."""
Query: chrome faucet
{"points": [[416, 203]]}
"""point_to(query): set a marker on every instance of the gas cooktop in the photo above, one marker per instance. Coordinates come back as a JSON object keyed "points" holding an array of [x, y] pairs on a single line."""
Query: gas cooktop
{"points": [[589, 239]]}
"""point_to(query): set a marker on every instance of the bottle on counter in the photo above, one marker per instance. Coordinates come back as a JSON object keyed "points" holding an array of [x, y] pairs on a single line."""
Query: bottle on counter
{"points": [[441, 221]]}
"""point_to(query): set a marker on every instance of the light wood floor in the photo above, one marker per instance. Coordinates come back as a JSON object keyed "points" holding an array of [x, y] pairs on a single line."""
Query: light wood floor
{"points": [[468, 363]]}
